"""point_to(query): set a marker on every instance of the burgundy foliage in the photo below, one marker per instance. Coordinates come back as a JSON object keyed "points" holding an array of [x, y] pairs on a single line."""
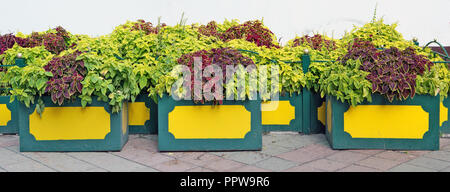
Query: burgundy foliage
{"points": [[316, 42], [252, 31], [392, 71], [67, 76], [147, 27], [221, 57]]}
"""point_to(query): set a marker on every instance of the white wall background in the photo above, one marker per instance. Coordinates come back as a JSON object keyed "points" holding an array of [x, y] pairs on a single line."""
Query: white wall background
{"points": [[426, 20]]}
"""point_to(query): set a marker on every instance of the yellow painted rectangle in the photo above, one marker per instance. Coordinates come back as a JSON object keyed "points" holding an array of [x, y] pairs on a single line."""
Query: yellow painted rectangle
{"points": [[5, 115], [138, 113], [329, 111], [209, 122], [443, 111], [271, 114], [70, 123], [321, 114], [125, 118], [386, 121]]}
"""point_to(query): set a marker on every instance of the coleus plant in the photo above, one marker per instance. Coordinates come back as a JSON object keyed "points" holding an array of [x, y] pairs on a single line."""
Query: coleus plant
{"points": [[7, 41], [147, 27], [54, 40], [322, 50], [392, 72], [253, 31], [68, 73], [222, 57], [316, 42], [382, 36]]}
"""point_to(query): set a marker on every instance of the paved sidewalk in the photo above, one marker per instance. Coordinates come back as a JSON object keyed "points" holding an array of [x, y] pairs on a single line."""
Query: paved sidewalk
{"points": [[281, 152]]}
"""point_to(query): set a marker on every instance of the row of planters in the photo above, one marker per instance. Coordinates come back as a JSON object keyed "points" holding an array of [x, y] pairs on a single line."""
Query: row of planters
{"points": [[370, 89]]}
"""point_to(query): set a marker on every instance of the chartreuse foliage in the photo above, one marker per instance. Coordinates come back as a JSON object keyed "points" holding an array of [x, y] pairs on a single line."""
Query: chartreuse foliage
{"points": [[323, 52], [28, 82], [138, 56]]}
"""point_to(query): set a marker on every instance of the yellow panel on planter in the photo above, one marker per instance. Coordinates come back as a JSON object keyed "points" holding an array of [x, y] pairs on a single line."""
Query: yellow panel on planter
{"points": [[125, 118], [5, 115], [281, 116], [209, 122], [386, 121], [138, 113], [329, 115], [321, 114], [443, 114], [70, 123]]}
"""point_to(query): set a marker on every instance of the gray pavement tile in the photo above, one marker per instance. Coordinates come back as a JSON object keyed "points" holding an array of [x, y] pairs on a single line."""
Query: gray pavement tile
{"points": [[250, 168], [199, 169], [441, 155], [275, 164], [273, 138], [405, 167], [200, 158], [107, 161], [347, 156], [357, 168], [248, 157], [303, 168], [274, 150], [8, 157], [27, 166], [395, 156], [175, 165], [60, 161], [140, 155], [96, 170], [446, 169], [296, 142], [223, 165], [145, 169], [378, 163], [326, 165], [445, 148], [225, 154], [429, 163]]}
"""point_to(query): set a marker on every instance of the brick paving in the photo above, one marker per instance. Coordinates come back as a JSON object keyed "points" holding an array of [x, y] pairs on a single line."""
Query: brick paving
{"points": [[281, 152]]}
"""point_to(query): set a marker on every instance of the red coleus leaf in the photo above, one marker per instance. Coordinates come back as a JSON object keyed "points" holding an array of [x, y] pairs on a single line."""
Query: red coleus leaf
{"points": [[66, 80], [392, 71], [221, 57], [252, 31]]}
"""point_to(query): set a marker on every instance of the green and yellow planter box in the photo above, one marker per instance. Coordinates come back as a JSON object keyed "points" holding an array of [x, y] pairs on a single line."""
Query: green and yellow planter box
{"points": [[282, 115], [318, 113], [143, 116], [8, 115], [412, 124], [186, 126], [72, 128], [445, 116], [294, 113]]}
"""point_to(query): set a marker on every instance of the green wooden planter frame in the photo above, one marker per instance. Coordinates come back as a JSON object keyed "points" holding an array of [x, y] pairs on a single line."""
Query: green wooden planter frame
{"points": [[339, 139], [445, 128], [316, 125], [114, 140], [12, 125], [150, 126], [167, 141]]}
